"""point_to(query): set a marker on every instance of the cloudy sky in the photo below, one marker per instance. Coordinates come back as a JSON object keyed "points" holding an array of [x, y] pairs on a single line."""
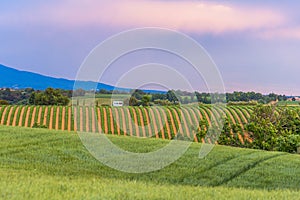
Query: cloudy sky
{"points": [[255, 44]]}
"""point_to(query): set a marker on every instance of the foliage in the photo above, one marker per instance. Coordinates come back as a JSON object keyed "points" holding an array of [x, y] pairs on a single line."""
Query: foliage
{"points": [[49, 97], [171, 96], [229, 134], [146, 100], [203, 97], [4, 102], [15, 96], [288, 143], [272, 129], [158, 96], [138, 94], [242, 103], [133, 101], [163, 102], [252, 96], [37, 125]]}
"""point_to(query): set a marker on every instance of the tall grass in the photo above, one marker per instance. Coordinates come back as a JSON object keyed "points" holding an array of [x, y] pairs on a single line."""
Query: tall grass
{"points": [[44, 164]]}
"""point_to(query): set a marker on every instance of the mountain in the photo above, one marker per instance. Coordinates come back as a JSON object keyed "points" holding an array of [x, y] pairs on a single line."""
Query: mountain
{"points": [[12, 78], [16, 79]]}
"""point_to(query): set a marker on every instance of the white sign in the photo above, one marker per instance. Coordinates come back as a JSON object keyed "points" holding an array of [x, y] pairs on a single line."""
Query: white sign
{"points": [[117, 103]]}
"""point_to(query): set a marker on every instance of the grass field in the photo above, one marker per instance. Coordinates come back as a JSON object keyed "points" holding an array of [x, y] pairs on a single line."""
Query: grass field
{"points": [[287, 103], [101, 99], [47, 164]]}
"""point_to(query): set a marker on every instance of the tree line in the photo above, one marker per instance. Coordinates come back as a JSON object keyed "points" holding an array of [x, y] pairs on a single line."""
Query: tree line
{"points": [[174, 97], [30, 96], [137, 97]]}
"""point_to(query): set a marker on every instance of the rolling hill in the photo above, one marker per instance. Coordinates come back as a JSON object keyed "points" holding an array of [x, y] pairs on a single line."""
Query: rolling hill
{"points": [[12, 78], [45, 164], [160, 122], [16, 79]]}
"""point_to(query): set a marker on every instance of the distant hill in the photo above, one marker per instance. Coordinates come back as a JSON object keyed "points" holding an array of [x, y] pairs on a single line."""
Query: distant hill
{"points": [[12, 78], [16, 79]]}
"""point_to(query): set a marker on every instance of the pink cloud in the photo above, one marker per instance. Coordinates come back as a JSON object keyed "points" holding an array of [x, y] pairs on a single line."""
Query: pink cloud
{"points": [[286, 33], [191, 16]]}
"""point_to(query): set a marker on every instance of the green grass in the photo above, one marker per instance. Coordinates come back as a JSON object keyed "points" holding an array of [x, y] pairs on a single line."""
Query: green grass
{"points": [[43, 164], [102, 99], [287, 103]]}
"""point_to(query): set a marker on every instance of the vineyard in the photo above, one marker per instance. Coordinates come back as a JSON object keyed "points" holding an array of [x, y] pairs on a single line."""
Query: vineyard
{"points": [[158, 122]]}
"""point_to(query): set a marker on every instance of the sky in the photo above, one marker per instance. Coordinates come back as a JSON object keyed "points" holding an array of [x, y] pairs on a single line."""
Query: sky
{"points": [[254, 44]]}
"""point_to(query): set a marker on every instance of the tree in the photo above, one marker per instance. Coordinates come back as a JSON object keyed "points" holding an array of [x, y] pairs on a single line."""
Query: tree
{"points": [[186, 100], [138, 94], [133, 101], [49, 97], [159, 96], [146, 100], [104, 91], [171, 96], [274, 129]]}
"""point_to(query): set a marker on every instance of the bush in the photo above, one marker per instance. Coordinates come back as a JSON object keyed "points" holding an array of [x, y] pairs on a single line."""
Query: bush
{"points": [[288, 143], [242, 103], [4, 102], [37, 125], [274, 129]]}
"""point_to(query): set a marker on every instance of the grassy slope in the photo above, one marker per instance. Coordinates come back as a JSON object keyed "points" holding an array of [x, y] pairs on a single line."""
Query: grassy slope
{"points": [[43, 164], [288, 103]]}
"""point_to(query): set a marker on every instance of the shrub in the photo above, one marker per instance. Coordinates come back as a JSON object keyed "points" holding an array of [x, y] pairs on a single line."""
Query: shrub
{"points": [[37, 125], [288, 143], [4, 102], [272, 129], [242, 103]]}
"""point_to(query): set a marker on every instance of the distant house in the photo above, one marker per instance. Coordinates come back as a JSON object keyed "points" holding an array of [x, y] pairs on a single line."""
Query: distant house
{"points": [[117, 103]]}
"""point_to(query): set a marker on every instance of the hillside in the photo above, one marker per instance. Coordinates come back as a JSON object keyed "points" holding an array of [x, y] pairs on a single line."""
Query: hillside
{"points": [[16, 79], [12, 78], [44, 164], [160, 122]]}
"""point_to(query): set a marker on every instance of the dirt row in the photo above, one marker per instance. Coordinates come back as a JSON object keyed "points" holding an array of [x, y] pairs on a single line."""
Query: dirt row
{"points": [[139, 121]]}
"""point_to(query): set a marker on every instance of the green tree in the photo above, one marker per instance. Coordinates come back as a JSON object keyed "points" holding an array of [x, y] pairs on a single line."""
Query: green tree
{"points": [[49, 97], [133, 101], [274, 129], [138, 94], [146, 100], [186, 100], [171, 96]]}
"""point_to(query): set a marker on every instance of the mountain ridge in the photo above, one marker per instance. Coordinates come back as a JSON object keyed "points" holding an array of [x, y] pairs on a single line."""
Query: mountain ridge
{"points": [[18, 79]]}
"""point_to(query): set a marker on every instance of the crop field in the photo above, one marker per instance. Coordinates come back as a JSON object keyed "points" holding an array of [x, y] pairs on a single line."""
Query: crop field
{"points": [[49, 164], [99, 99], [288, 103], [158, 122]]}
